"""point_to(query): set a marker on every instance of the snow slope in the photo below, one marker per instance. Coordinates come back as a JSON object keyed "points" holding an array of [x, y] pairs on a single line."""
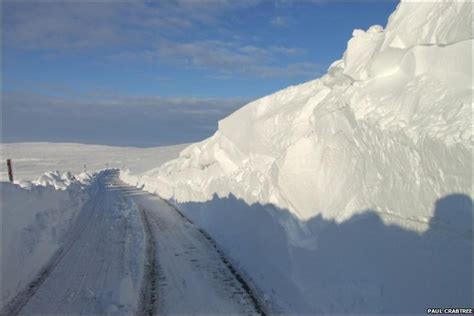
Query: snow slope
{"points": [[381, 144]]}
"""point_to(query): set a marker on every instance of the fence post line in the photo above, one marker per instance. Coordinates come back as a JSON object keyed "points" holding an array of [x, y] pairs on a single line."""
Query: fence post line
{"points": [[10, 171]]}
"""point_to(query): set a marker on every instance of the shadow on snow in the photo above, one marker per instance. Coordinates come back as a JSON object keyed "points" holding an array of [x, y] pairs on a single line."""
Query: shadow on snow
{"points": [[359, 266]]}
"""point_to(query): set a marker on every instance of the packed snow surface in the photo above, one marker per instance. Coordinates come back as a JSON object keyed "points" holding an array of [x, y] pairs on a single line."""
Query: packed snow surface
{"points": [[193, 278], [369, 166]]}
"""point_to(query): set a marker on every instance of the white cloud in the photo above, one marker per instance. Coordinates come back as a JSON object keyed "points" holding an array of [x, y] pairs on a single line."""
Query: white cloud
{"points": [[91, 24], [229, 58], [153, 30], [279, 21]]}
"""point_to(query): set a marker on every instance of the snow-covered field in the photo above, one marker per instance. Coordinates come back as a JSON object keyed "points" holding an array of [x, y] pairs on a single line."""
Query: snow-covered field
{"points": [[350, 193], [31, 160]]}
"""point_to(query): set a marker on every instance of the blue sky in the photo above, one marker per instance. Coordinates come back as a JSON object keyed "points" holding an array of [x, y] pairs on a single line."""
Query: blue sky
{"points": [[155, 73]]}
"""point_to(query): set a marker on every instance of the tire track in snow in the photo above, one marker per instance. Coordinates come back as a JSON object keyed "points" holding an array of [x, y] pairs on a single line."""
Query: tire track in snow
{"points": [[149, 291], [248, 290], [257, 305]]}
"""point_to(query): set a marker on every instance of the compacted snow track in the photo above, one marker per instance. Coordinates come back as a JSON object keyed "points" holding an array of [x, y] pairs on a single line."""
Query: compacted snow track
{"points": [[132, 253], [190, 274]]}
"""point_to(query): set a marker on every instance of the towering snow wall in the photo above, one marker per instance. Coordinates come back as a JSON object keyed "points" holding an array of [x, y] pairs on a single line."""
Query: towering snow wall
{"points": [[350, 193], [387, 128]]}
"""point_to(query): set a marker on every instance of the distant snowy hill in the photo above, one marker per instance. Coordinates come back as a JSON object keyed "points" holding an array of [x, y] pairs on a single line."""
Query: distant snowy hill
{"points": [[32, 160], [389, 127], [350, 193]]}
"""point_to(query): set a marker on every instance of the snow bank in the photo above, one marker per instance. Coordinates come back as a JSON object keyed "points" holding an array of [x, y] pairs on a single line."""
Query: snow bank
{"points": [[388, 127], [61, 181], [35, 217], [380, 140]]}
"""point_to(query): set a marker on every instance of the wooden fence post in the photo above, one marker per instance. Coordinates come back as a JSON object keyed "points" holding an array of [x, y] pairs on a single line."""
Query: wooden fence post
{"points": [[10, 171]]}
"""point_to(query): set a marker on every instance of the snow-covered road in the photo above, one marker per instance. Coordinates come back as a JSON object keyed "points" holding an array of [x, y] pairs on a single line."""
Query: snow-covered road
{"points": [[132, 253], [193, 275]]}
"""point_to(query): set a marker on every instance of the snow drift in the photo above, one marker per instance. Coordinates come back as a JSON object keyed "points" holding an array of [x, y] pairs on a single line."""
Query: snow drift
{"points": [[391, 119], [35, 217], [378, 144]]}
